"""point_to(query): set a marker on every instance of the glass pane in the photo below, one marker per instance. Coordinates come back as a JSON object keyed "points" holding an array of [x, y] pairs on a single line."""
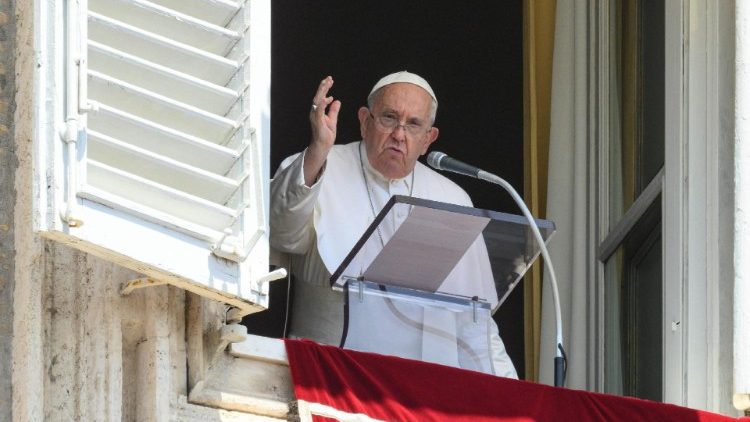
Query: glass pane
{"points": [[432, 248], [636, 147], [643, 317], [612, 325], [432, 329], [651, 146], [633, 312]]}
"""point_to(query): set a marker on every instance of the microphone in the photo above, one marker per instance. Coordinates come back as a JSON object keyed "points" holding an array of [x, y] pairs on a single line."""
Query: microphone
{"points": [[441, 161]]}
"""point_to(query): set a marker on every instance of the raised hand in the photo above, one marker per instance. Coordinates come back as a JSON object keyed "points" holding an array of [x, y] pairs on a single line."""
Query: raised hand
{"points": [[324, 115]]}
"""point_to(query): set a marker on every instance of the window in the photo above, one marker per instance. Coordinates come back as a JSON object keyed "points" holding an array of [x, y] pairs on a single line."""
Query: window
{"points": [[152, 139], [631, 250]]}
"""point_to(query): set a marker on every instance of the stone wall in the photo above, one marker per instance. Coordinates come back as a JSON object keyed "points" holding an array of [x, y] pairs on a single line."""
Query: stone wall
{"points": [[7, 200]]}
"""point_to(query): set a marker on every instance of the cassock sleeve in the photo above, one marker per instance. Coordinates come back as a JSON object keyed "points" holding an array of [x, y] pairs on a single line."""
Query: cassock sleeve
{"points": [[292, 207]]}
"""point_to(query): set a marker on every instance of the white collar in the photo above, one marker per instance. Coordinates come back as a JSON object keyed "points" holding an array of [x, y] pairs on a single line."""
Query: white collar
{"points": [[379, 177]]}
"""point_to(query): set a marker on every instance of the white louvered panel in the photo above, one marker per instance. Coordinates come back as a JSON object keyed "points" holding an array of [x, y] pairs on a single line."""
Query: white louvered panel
{"points": [[169, 116], [160, 79], [159, 109], [165, 141], [161, 50], [153, 135], [149, 193], [169, 23], [160, 169], [218, 12]]}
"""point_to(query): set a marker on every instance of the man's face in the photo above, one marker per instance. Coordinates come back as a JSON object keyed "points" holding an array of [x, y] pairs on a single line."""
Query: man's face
{"points": [[394, 152]]}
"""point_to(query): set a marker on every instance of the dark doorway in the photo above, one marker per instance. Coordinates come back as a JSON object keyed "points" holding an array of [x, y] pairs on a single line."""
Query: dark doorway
{"points": [[470, 52]]}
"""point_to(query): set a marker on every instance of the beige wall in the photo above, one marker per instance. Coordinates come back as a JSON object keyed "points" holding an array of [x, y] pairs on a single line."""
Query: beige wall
{"points": [[7, 198]]}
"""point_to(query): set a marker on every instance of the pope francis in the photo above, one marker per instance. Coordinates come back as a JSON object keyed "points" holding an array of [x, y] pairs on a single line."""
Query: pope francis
{"points": [[324, 198]]}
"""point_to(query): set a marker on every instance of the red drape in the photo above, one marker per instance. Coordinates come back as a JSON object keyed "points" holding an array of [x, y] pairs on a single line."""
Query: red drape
{"points": [[395, 389]]}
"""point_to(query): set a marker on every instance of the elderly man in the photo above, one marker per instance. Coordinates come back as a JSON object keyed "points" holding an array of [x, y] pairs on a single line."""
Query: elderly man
{"points": [[324, 198]]}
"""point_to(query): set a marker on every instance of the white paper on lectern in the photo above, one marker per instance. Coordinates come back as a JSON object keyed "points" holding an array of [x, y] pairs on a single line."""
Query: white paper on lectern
{"points": [[425, 249]]}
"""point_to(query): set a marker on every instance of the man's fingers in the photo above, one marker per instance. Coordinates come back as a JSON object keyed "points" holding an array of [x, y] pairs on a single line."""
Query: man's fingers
{"points": [[333, 112], [324, 113], [319, 107], [320, 100]]}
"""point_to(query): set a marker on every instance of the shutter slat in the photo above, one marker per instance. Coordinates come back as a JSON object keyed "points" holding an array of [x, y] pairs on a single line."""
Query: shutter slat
{"points": [[157, 196], [160, 169], [158, 108], [218, 12], [163, 140], [160, 79], [169, 23], [150, 214], [161, 50]]}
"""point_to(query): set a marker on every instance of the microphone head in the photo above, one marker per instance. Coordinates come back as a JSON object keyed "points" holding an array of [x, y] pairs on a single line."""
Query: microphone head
{"points": [[434, 158]]}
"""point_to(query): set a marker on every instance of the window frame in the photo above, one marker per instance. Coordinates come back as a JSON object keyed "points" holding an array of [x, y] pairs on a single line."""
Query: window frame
{"points": [[698, 35]]}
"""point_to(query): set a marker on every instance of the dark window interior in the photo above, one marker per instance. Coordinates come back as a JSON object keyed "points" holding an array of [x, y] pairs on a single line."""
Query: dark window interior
{"points": [[471, 53]]}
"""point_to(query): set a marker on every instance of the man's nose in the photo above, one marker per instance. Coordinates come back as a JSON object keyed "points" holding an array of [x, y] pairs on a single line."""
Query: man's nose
{"points": [[399, 133]]}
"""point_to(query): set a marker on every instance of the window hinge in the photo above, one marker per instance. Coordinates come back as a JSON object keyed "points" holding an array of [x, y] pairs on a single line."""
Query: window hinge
{"points": [[70, 136]]}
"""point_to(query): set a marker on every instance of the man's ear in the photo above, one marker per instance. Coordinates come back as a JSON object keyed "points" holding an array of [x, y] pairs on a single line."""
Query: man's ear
{"points": [[363, 114], [431, 137]]}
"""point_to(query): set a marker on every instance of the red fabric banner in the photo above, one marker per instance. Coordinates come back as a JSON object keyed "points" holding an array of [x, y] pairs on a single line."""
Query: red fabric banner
{"points": [[336, 384]]}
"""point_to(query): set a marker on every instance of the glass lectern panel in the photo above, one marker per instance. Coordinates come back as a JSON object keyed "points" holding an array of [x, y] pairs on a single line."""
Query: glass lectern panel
{"points": [[437, 248], [431, 328]]}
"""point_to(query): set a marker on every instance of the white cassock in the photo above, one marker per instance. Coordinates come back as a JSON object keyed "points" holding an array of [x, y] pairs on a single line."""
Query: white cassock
{"points": [[319, 225]]}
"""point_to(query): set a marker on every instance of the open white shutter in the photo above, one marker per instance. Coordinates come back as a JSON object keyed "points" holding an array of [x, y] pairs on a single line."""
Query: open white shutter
{"points": [[158, 152]]}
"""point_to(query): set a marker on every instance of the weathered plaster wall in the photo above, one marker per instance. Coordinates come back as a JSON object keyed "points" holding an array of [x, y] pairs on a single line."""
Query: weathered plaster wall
{"points": [[105, 356], [27, 346], [102, 354], [27, 330], [7, 199]]}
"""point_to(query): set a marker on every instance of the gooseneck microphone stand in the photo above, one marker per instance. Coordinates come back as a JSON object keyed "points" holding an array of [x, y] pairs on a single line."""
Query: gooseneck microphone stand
{"points": [[441, 161]]}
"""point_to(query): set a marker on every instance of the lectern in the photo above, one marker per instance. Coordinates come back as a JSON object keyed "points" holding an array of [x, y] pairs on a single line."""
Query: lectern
{"points": [[425, 278]]}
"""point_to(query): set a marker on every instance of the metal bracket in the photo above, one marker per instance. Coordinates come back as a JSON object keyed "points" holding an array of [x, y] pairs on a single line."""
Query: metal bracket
{"points": [[138, 283], [474, 301], [235, 314], [260, 285]]}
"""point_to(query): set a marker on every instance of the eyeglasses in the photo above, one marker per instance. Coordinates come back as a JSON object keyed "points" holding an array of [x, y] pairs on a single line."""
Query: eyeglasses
{"points": [[390, 122]]}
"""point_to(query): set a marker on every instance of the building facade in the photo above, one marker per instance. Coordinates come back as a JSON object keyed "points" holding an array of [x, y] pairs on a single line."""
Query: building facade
{"points": [[110, 309]]}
